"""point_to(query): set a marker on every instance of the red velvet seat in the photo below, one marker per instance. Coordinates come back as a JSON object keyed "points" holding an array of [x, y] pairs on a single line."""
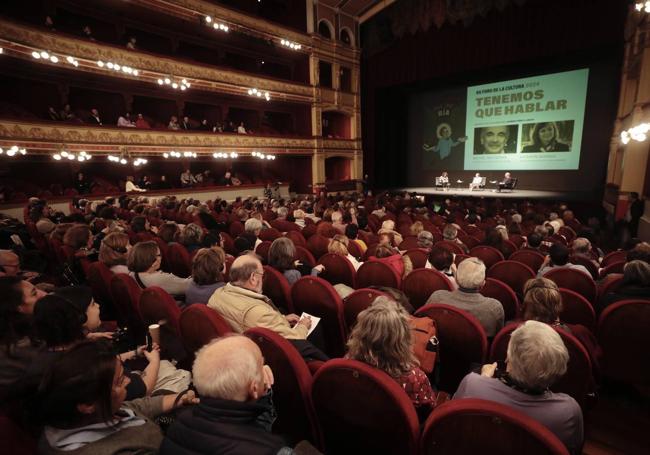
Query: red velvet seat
{"points": [[99, 278], [304, 255], [126, 296], [418, 257], [473, 426], [575, 280], [180, 261], [568, 233], [297, 238], [15, 440], [262, 251], [532, 259], [338, 270], [586, 263], [463, 342], [356, 302], [228, 244], [309, 229], [292, 389], [608, 284], [317, 245], [362, 410], [158, 307], [199, 325], [614, 256], [624, 338], [317, 297], [276, 287], [269, 234], [509, 248], [517, 239], [452, 247], [421, 283], [375, 273], [577, 310], [460, 258], [488, 254], [514, 274], [355, 249], [577, 380], [497, 289], [236, 228], [614, 267], [409, 242]]}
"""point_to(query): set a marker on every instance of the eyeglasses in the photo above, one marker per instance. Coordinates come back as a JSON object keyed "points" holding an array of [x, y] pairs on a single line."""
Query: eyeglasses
{"points": [[259, 273]]}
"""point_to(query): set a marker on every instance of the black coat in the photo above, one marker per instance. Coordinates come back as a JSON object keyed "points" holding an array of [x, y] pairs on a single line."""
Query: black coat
{"points": [[223, 427]]}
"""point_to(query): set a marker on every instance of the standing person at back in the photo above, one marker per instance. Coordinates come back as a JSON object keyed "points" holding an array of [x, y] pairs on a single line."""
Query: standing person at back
{"points": [[470, 277]]}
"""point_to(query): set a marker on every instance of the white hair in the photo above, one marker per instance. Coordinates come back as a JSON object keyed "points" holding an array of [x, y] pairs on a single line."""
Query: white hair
{"points": [[389, 225], [226, 372], [537, 356], [336, 216], [283, 212], [470, 273], [252, 225]]}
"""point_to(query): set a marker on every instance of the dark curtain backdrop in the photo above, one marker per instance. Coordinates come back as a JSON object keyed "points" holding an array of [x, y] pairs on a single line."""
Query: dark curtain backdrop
{"points": [[538, 33]]}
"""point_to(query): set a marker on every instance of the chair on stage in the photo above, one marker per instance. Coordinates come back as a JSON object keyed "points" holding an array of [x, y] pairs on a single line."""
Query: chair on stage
{"points": [[479, 185], [510, 186], [440, 185]]}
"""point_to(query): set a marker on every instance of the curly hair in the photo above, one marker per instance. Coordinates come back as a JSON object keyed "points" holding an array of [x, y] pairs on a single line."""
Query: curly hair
{"points": [[382, 338]]}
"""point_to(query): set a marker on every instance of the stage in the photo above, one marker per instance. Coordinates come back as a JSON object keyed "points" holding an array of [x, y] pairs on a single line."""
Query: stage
{"points": [[455, 191]]}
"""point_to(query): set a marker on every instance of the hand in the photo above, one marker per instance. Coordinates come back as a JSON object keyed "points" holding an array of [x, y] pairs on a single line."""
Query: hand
{"points": [[269, 380], [547, 260], [488, 370], [187, 399], [154, 229], [306, 321], [154, 355], [98, 335], [292, 319], [319, 268]]}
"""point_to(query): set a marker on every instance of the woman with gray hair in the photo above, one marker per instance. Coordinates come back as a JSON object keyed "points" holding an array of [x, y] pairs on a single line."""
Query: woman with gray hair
{"points": [[635, 285], [191, 236], [537, 358]]}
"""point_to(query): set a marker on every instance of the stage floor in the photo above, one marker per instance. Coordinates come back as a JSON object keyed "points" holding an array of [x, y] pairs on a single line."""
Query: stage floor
{"points": [[489, 193]]}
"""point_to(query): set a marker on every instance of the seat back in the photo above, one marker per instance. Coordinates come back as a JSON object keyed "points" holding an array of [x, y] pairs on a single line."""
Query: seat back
{"points": [[514, 274], [373, 273], [157, 305], [462, 342], [356, 302], [409, 242], [500, 291], [421, 283], [531, 258], [575, 280], [180, 261], [355, 249], [317, 244], [317, 297], [304, 255], [236, 228], [509, 248], [269, 234], [624, 338], [363, 410], [576, 382], [452, 247], [338, 270], [99, 277], [297, 238], [126, 296], [418, 257], [494, 428], [228, 243], [276, 287], [262, 251], [577, 310], [614, 267], [199, 325], [15, 440], [586, 263], [292, 388], [614, 256], [488, 254]]}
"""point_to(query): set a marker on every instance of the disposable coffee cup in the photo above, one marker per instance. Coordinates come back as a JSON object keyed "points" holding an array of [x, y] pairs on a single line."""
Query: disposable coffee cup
{"points": [[154, 333]]}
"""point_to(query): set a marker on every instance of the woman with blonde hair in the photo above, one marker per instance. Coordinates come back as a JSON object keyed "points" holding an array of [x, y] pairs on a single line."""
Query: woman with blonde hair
{"points": [[382, 338], [339, 245], [416, 228], [113, 252]]}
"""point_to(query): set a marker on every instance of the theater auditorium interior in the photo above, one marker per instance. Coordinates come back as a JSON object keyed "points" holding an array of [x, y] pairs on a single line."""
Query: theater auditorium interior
{"points": [[324, 227]]}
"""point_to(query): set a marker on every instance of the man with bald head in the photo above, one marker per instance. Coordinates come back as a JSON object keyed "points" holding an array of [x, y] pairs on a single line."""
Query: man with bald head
{"points": [[10, 266], [243, 305], [235, 411]]}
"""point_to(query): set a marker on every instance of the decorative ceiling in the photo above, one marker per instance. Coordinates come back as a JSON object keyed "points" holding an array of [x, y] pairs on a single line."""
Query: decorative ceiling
{"points": [[363, 9]]}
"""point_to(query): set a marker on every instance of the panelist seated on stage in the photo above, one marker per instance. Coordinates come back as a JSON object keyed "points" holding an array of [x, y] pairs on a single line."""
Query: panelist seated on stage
{"points": [[477, 182], [507, 183], [443, 180]]}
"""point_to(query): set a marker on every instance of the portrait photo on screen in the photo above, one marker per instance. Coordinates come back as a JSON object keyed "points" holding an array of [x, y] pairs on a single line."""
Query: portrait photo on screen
{"points": [[495, 140], [547, 137]]}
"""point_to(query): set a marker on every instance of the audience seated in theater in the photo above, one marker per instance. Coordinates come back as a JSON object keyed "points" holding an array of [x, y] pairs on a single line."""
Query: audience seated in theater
{"points": [[635, 285], [299, 218], [125, 121], [49, 24], [144, 263], [282, 258], [352, 233], [252, 229], [81, 184], [382, 338], [537, 358], [53, 115], [494, 238], [339, 245], [470, 276], [582, 248], [226, 180], [131, 43], [390, 256], [337, 223], [87, 32], [81, 403], [204, 125], [243, 305], [388, 227], [142, 123], [559, 258], [235, 411], [130, 186], [425, 240], [208, 267], [187, 179], [40, 215], [114, 250], [442, 260], [533, 242], [10, 266], [18, 346], [94, 118], [67, 115], [173, 123], [141, 226], [450, 234], [543, 303], [241, 129], [186, 123], [168, 231], [191, 236]]}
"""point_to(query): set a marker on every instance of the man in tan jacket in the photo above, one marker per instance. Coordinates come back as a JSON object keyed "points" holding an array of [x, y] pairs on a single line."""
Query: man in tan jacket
{"points": [[243, 305]]}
